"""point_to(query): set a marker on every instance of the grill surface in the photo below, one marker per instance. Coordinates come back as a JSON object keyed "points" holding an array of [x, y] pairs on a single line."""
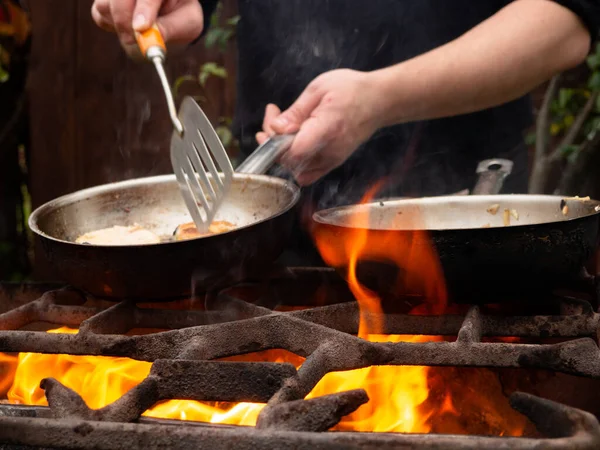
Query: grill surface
{"points": [[184, 366]]}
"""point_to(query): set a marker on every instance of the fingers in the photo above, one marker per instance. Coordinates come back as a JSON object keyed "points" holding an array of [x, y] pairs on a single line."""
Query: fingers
{"points": [[314, 135], [145, 13], [182, 22], [101, 15], [103, 7], [290, 120], [179, 21], [261, 137], [271, 112], [103, 21], [313, 152], [122, 16]]}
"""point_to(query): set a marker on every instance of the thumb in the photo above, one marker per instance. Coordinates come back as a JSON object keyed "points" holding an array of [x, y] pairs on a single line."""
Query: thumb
{"points": [[145, 13], [292, 118]]}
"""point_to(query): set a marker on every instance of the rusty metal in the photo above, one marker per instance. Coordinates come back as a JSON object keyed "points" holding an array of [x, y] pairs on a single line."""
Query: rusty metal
{"points": [[184, 366], [569, 428], [184, 380]]}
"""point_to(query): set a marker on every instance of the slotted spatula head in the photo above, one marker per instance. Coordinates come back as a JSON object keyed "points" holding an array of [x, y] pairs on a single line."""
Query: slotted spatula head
{"points": [[201, 164]]}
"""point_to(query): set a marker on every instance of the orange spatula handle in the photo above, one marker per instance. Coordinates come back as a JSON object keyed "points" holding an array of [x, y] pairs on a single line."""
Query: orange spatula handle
{"points": [[151, 40]]}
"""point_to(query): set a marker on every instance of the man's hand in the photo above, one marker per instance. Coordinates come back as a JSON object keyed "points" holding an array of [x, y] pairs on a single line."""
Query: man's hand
{"points": [[333, 116], [179, 21]]}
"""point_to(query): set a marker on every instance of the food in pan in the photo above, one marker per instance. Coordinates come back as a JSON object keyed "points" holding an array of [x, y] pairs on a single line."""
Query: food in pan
{"points": [[136, 235], [189, 231], [119, 235], [493, 209]]}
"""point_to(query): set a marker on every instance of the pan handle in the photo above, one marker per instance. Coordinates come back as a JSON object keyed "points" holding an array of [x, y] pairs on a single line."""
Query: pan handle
{"points": [[491, 174], [266, 154]]}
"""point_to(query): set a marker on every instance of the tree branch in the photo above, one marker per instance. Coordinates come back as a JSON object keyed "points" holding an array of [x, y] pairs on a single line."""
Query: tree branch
{"points": [[574, 130], [541, 168]]}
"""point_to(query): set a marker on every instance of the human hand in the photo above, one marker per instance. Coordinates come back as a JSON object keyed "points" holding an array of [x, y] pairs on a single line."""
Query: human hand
{"points": [[334, 115], [179, 21]]}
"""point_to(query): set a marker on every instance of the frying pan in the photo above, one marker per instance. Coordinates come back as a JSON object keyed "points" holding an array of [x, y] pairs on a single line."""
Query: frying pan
{"points": [[481, 258], [261, 207]]}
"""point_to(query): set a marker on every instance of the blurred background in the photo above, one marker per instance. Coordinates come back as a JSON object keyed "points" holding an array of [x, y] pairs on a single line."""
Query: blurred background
{"points": [[76, 112]]}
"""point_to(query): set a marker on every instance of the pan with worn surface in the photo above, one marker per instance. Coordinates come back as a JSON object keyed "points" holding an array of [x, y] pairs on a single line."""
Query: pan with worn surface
{"points": [[261, 208], [489, 247]]}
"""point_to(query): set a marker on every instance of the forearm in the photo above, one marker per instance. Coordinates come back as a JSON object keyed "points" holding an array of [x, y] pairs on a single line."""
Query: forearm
{"points": [[500, 60]]}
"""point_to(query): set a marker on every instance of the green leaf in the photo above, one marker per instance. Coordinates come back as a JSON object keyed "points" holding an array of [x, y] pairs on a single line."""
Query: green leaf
{"points": [[179, 82], [214, 21], [225, 135], [233, 21], [570, 152], [224, 39], [564, 95], [4, 76], [530, 138], [211, 69], [212, 37], [597, 104], [568, 149], [594, 82], [593, 61]]}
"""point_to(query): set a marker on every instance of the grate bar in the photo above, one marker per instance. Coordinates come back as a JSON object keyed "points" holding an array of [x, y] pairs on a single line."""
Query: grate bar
{"points": [[572, 429]]}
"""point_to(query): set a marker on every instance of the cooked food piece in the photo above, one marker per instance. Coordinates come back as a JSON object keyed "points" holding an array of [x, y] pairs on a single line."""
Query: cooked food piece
{"points": [[119, 235], [578, 198], [189, 231], [493, 209], [506, 217]]}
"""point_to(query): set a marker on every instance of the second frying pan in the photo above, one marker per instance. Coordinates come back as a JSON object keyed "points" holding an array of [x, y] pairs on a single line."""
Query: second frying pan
{"points": [[488, 247]]}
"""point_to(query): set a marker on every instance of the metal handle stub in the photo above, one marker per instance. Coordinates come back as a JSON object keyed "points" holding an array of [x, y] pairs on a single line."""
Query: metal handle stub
{"points": [[151, 43], [261, 159], [491, 175]]}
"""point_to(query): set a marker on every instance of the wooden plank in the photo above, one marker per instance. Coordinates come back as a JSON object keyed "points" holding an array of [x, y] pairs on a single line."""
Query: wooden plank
{"points": [[51, 106], [51, 98]]}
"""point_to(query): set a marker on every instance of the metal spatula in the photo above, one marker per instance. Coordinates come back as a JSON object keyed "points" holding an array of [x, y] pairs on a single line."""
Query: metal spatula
{"points": [[201, 164]]}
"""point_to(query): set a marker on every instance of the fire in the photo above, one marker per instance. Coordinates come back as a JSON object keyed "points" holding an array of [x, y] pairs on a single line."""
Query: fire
{"points": [[410, 252], [410, 399], [397, 394], [102, 380]]}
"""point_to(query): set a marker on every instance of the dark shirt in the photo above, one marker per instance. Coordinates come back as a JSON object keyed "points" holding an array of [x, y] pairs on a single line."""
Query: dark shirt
{"points": [[285, 44]]}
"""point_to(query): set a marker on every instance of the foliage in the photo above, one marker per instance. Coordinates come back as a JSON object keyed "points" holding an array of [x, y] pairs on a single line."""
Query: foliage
{"points": [[218, 37], [566, 139], [570, 102], [3, 62]]}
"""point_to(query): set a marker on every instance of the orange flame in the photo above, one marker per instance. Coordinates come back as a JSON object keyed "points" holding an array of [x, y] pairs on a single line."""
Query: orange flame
{"points": [[410, 251], [402, 398], [421, 273]]}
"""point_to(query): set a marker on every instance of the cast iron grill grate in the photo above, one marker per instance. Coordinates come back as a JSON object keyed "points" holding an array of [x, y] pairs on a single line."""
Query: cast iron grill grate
{"points": [[184, 366]]}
